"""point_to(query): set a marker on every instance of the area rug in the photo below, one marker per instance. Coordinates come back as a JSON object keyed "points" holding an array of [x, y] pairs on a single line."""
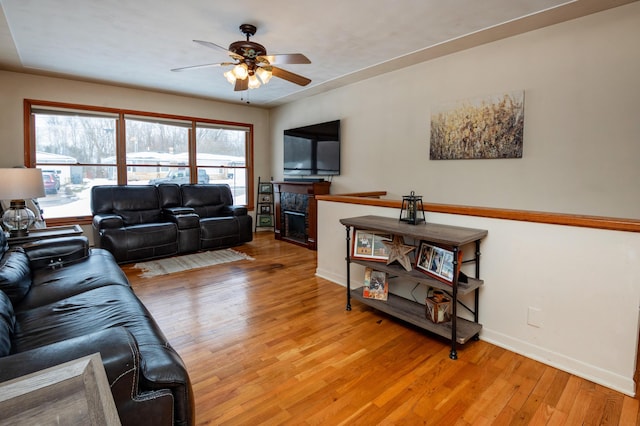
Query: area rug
{"points": [[203, 259]]}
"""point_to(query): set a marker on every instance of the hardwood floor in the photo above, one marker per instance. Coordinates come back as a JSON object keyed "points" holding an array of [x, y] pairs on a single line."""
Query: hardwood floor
{"points": [[267, 342]]}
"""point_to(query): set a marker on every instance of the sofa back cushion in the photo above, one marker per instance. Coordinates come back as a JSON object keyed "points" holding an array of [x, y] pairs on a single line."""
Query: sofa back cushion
{"points": [[136, 204], [15, 274], [207, 200], [169, 194], [7, 324]]}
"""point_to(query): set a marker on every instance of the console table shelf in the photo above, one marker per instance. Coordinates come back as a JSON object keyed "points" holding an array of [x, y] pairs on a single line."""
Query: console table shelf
{"points": [[413, 313], [419, 277], [458, 330]]}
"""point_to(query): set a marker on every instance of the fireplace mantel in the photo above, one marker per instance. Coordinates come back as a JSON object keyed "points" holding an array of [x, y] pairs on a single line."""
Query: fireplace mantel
{"points": [[295, 198]]}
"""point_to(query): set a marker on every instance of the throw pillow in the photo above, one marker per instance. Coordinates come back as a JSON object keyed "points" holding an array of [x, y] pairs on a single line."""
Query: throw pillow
{"points": [[15, 275]]}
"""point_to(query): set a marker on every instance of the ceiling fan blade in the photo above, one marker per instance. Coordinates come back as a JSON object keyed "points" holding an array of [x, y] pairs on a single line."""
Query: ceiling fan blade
{"points": [[241, 85], [220, 48], [285, 58], [289, 76], [193, 67]]}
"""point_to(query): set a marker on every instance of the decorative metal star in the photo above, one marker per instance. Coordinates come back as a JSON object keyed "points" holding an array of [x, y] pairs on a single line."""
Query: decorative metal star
{"points": [[399, 251]]}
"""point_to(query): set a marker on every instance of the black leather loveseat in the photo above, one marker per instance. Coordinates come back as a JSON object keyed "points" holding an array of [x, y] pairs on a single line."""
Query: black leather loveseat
{"points": [[61, 300], [137, 222]]}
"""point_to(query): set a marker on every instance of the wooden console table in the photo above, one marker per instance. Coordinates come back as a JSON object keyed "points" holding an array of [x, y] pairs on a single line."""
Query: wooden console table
{"points": [[297, 201], [458, 330]]}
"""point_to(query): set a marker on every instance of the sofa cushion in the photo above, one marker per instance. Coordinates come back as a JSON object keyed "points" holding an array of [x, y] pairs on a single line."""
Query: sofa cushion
{"points": [[136, 217], [207, 200], [51, 285], [56, 252], [15, 275], [7, 323], [100, 309], [135, 203]]}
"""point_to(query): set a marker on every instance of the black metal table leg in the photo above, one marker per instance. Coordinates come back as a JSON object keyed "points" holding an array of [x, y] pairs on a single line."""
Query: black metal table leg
{"points": [[348, 259]]}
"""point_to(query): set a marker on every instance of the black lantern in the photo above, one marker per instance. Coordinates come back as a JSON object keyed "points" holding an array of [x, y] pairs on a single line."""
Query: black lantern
{"points": [[412, 210]]}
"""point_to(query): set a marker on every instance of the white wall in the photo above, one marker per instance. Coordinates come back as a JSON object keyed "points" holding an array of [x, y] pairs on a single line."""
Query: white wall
{"points": [[581, 124], [585, 282]]}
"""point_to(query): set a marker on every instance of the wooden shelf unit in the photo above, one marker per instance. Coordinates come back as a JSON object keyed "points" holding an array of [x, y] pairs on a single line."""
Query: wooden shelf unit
{"points": [[458, 330], [264, 205]]}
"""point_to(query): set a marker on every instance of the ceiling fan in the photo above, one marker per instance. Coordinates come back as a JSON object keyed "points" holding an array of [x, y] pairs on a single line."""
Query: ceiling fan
{"points": [[252, 66]]}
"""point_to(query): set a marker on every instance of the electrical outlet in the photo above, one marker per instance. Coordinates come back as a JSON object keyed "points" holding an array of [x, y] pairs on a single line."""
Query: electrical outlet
{"points": [[534, 317]]}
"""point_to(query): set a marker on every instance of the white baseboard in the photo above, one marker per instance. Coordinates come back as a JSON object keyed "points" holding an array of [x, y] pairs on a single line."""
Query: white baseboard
{"points": [[578, 368]]}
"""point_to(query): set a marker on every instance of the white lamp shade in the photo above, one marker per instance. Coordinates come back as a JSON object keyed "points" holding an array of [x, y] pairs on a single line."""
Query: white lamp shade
{"points": [[264, 74], [21, 183], [241, 71], [254, 83], [231, 78]]}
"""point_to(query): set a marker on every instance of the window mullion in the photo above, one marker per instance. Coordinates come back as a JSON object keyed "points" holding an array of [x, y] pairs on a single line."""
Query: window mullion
{"points": [[121, 150]]}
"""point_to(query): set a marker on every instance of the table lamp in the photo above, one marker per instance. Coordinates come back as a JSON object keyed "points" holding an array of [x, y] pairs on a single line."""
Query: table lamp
{"points": [[16, 184]]}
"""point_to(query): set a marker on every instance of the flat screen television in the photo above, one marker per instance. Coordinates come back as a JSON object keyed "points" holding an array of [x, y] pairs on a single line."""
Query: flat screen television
{"points": [[312, 150]]}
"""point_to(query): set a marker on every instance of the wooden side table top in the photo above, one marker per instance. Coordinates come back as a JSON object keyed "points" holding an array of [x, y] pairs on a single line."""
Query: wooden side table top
{"points": [[45, 233]]}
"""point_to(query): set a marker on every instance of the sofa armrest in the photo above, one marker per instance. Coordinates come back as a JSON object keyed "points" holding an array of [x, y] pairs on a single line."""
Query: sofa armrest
{"points": [[174, 211], [121, 360], [117, 348], [104, 221], [234, 211], [183, 217], [56, 252]]}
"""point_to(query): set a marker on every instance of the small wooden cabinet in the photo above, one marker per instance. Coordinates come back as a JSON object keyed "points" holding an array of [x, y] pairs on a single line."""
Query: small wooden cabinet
{"points": [[458, 330], [296, 210]]}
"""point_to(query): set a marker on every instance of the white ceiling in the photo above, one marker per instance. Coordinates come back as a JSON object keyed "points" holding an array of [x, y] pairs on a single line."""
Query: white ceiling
{"points": [[137, 43]]}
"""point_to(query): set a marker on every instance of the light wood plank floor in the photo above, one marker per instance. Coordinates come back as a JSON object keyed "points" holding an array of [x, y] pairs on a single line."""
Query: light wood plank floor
{"points": [[267, 342]]}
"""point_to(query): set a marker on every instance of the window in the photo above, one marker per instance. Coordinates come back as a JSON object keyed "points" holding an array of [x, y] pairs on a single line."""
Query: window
{"points": [[78, 147]]}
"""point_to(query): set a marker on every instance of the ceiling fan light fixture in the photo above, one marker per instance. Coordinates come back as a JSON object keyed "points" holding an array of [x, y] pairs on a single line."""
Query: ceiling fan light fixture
{"points": [[231, 78], [264, 75], [254, 83], [241, 71]]}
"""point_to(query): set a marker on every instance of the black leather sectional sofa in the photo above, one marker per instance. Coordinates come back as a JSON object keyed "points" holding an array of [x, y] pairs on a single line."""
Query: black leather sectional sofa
{"points": [[138, 222], [61, 300]]}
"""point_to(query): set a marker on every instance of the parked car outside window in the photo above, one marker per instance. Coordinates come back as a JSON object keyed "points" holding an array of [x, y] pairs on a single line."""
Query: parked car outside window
{"points": [[181, 176], [51, 182]]}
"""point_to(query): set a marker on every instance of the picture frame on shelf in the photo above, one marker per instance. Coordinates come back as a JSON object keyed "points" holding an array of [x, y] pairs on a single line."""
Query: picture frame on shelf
{"points": [[265, 209], [437, 262], [265, 198], [376, 285], [264, 220], [265, 188], [368, 245]]}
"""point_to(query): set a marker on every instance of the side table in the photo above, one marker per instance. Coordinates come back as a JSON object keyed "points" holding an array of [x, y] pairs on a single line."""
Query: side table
{"points": [[45, 233]]}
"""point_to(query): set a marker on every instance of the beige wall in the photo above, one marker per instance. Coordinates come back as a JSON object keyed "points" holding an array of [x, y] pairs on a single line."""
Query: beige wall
{"points": [[581, 131], [15, 87]]}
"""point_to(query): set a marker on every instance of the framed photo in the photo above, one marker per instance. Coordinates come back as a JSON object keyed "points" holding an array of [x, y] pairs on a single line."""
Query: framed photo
{"points": [[265, 188], [437, 262], [265, 198], [376, 284], [265, 220], [368, 245], [265, 209]]}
